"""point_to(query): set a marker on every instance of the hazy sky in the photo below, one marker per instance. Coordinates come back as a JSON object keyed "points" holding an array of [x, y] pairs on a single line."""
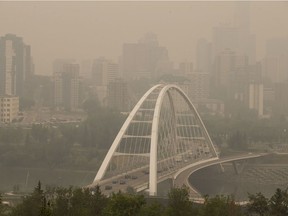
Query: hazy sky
{"points": [[84, 30]]}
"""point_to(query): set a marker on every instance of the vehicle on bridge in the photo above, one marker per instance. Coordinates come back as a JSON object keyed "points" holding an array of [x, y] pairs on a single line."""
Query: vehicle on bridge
{"points": [[162, 134]]}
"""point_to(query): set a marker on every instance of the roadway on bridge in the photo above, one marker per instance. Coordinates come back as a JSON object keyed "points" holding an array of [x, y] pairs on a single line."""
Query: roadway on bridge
{"points": [[138, 179], [182, 176]]}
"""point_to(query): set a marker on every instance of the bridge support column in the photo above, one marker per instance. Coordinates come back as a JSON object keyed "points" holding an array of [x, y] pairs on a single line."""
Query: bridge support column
{"points": [[238, 167], [221, 168]]}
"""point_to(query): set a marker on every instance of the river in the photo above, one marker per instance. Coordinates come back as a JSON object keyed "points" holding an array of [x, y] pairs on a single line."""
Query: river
{"points": [[254, 178]]}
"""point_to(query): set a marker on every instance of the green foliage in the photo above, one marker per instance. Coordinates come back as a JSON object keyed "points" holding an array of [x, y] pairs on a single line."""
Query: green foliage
{"points": [[153, 209], [65, 146], [279, 203], [91, 202], [102, 128], [258, 204], [91, 106], [34, 205], [179, 203], [220, 206], [238, 141], [11, 135], [248, 130], [2, 206], [121, 204]]}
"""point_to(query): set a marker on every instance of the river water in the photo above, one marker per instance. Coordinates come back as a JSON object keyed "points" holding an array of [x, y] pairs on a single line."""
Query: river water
{"points": [[264, 178]]}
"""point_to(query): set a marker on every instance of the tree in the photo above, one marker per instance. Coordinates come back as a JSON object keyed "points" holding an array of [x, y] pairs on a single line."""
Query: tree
{"points": [[121, 204], [34, 205], [61, 203], [238, 141], [279, 203], [153, 209], [179, 203], [78, 201], [3, 207], [220, 206], [258, 204]]}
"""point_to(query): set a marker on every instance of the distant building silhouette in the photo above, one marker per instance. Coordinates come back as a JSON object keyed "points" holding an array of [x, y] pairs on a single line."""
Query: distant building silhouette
{"points": [[104, 71], [280, 107], [145, 59], [275, 63], [16, 67], [236, 36], [118, 97], [204, 56], [66, 87], [226, 63]]}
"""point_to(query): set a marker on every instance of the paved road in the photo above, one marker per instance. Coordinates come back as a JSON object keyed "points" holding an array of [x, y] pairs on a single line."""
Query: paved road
{"points": [[181, 177], [139, 179]]}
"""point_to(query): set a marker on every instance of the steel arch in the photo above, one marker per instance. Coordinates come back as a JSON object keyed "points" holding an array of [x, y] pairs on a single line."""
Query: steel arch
{"points": [[165, 90]]}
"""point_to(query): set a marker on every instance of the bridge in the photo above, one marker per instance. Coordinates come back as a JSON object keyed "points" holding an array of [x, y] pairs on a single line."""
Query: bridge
{"points": [[162, 138]]}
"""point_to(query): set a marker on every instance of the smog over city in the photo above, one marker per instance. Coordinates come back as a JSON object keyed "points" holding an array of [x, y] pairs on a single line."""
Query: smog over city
{"points": [[114, 103]]}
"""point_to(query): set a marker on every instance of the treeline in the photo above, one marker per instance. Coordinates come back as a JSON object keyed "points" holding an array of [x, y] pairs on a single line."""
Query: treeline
{"points": [[239, 133], [84, 145], [73, 145], [91, 202]]}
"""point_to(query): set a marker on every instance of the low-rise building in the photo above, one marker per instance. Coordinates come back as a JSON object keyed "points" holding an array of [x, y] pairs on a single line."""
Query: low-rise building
{"points": [[9, 108]]}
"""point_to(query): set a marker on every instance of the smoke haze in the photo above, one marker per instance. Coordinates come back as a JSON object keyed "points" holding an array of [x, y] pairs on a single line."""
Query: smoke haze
{"points": [[84, 30]]}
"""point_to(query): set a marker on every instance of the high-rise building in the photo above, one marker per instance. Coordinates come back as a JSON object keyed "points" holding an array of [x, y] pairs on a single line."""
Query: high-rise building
{"points": [[280, 105], [86, 68], [225, 37], [104, 71], [255, 97], [16, 66], [196, 86], [66, 87], [204, 56], [275, 63], [145, 59], [118, 95], [9, 108], [236, 37], [58, 64], [226, 63], [186, 68]]}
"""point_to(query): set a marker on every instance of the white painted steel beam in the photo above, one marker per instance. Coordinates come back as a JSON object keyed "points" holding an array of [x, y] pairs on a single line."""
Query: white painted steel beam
{"points": [[118, 138]]}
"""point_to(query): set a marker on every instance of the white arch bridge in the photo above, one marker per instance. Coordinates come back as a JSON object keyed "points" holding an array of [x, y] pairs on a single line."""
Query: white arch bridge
{"points": [[162, 135]]}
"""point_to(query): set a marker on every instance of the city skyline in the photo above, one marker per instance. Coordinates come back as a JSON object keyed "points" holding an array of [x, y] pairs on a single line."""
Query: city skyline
{"points": [[88, 30]]}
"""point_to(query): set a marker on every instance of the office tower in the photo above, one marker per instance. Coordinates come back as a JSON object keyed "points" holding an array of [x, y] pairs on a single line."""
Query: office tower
{"points": [[275, 63], [118, 96], [66, 87], [58, 64], [280, 105], [236, 37], [197, 85], [86, 68], [226, 63], [186, 68], [225, 37], [16, 67], [145, 59], [255, 97], [246, 40], [9, 108], [204, 56], [104, 71]]}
